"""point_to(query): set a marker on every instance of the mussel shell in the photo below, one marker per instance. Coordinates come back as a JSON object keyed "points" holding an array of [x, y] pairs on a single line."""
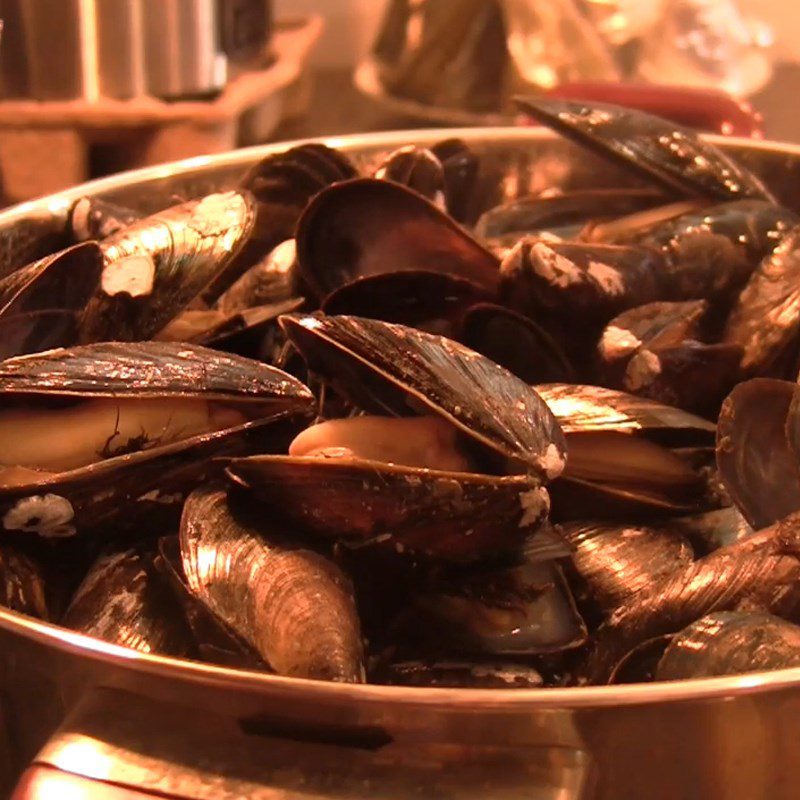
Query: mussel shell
{"points": [[573, 498], [124, 600], [524, 610], [515, 342], [711, 253], [760, 572], [126, 487], [730, 643], [32, 332], [418, 169], [63, 281], [152, 369], [459, 674], [154, 268], [432, 301], [567, 280], [532, 215], [658, 149], [384, 367], [270, 280], [617, 561], [367, 227], [584, 409], [293, 605], [693, 376], [461, 166], [765, 319], [712, 529], [291, 178], [92, 218], [214, 640], [22, 583], [448, 515], [754, 459]]}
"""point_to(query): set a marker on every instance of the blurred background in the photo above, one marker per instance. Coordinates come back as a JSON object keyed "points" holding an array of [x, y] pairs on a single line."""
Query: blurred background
{"points": [[91, 87]]}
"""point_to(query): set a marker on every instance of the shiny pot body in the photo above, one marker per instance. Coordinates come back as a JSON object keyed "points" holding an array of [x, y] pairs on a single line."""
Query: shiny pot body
{"points": [[174, 723]]}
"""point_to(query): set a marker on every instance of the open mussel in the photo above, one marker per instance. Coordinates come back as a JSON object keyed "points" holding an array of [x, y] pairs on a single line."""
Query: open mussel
{"points": [[460, 479], [671, 156], [621, 458], [124, 600], [730, 643], [366, 227], [143, 417], [294, 606]]}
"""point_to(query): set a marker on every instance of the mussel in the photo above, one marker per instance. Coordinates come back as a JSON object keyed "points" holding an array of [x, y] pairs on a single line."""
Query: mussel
{"points": [[454, 456], [755, 459], [294, 606], [461, 479], [366, 227], [618, 561], [730, 643], [124, 600], [758, 572], [621, 453], [659, 150], [90, 430]]}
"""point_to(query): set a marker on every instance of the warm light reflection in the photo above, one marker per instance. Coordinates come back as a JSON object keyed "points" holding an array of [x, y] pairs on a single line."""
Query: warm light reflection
{"points": [[84, 756]]}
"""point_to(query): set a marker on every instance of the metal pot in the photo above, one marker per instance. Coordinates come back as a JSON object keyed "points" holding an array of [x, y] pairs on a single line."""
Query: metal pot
{"points": [[189, 729]]}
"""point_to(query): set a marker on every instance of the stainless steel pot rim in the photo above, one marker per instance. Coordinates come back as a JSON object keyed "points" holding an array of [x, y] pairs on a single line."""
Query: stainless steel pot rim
{"points": [[196, 672]]}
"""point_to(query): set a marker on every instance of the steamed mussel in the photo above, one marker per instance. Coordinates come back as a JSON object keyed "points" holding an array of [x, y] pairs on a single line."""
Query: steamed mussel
{"points": [[345, 422]]}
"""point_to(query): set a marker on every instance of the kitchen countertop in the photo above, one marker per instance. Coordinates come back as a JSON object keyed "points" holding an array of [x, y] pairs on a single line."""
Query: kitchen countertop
{"points": [[337, 108]]}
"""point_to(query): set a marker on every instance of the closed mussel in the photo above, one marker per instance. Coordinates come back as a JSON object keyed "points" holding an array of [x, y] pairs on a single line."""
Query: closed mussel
{"points": [[293, 605], [730, 643], [124, 600], [758, 572]]}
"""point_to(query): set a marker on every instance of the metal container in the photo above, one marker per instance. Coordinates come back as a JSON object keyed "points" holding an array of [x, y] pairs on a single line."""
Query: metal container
{"points": [[122, 49], [187, 729]]}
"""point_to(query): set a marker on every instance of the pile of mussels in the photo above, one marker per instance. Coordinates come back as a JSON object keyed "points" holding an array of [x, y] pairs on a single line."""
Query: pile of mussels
{"points": [[328, 425]]}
